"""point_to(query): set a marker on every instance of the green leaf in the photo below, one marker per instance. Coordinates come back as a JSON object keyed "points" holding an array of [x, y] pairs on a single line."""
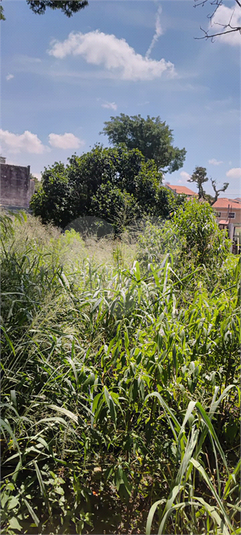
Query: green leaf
{"points": [[169, 412], [167, 514], [212, 432], [40, 480], [110, 404], [232, 479], [32, 513], [66, 412], [201, 470], [189, 411], [13, 502], [14, 524], [151, 515], [214, 515]]}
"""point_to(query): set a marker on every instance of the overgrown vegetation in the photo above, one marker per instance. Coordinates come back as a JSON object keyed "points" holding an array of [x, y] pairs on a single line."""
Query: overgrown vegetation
{"points": [[115, 185], [120, 379]]}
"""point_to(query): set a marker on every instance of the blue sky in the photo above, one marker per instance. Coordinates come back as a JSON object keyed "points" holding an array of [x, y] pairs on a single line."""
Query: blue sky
{"points": [[62, 78]]}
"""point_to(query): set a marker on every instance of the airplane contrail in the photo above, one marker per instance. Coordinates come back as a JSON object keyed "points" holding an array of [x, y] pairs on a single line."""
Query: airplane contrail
{"points": [[158, 32]]}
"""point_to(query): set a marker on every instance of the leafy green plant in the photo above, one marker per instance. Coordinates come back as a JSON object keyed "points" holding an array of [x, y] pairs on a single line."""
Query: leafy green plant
{"points": [[185, 502], [196, 223], [119, 385]]}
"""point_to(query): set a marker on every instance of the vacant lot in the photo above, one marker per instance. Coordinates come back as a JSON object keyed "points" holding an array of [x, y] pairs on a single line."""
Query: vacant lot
{"points": [[120, 372]]}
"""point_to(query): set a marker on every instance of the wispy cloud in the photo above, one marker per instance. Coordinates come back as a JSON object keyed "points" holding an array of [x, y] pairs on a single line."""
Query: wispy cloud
{"points": [[65, 141], [143, 103], [184, 176], [213, 161], [26, 142], [37, 175], [158, 32], [98, 48], [9, 77], [109, 105], [28, 60], [235, 172]]}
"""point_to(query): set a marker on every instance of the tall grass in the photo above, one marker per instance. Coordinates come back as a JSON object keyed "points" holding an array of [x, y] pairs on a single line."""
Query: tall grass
{"points": [[120, 388]]}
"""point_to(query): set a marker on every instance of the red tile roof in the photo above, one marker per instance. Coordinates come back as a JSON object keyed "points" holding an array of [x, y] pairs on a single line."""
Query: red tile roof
{"points": [[227, 203], [182, 190]]}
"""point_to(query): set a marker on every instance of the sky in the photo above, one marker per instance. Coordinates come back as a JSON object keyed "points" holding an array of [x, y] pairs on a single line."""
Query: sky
{"points": [[62, 78]]}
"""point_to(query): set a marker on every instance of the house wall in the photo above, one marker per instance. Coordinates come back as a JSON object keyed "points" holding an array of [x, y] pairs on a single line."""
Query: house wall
{"points": [[224, 212], [16, 188]]}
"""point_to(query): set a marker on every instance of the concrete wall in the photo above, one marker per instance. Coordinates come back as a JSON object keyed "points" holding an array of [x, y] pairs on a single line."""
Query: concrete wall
{"points": [[16, 189]]}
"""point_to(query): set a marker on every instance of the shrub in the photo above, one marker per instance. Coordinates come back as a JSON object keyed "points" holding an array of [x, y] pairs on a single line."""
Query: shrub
{"points": [[195, 223]]}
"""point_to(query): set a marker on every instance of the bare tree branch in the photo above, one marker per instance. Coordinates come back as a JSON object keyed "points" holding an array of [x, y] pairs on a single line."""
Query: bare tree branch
{"points": [[226, 28], [217, 191], [208, 36]]}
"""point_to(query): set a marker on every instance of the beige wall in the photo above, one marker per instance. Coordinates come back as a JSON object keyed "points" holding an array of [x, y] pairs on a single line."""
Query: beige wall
{"points": [[224, 212]]}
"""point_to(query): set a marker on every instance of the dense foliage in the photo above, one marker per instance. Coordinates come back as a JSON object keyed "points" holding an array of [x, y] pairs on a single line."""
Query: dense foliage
{"points": [[68, 7], [203, 241], [113, 184], [151, 136], [120, 382]]}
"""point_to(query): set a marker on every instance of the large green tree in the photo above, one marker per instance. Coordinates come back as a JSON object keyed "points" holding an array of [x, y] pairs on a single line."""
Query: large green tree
{"points": [[114, 184], [51, 201], [151, 136]]}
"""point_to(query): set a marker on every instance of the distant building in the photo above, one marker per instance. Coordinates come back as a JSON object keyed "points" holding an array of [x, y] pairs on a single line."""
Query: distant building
{"points": [[182, 190], [16, 187], [228, 211]]}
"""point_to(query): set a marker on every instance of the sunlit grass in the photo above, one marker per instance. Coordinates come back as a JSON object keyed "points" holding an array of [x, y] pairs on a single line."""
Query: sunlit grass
{"points": [[120, 386]]}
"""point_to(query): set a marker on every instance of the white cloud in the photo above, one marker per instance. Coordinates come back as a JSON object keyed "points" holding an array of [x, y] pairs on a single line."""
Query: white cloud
{"points": [[109, 105], [9, 77], [26, 142], [213, 161], [37, 175], [225, 16], [158, 32], [235, 172], [185, 176], [98, 48], [24, 59], [65, 141]]}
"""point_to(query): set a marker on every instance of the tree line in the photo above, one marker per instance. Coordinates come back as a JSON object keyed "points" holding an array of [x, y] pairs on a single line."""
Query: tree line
{"points": [[119, 184]]}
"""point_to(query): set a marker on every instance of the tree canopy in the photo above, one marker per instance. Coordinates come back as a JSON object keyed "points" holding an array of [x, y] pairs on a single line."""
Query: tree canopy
{"points": [[114, 184], [67, 6], [199, 177], [151, 136]]}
